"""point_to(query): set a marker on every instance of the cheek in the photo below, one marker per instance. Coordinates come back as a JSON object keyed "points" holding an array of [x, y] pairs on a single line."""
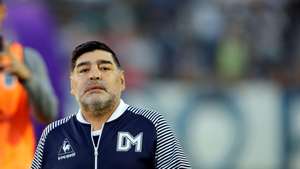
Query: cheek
{"points": [[76, 88], [80, 89], [73, 87], [118, 85]]}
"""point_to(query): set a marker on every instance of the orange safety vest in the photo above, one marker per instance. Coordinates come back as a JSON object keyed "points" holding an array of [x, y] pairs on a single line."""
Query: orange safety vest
{"points": [[17, 140]]}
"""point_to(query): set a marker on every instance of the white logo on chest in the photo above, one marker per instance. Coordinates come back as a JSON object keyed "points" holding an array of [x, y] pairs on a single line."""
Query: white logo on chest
{"points": [[126, 141], [65, 151]]}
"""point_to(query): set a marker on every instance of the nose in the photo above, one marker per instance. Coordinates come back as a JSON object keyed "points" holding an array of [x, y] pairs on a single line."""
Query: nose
{"points": [[94, 74], [94, 78]]}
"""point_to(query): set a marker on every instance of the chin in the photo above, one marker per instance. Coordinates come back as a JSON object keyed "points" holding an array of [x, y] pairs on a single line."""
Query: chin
{"points": [[97, 99], [94, 99]]}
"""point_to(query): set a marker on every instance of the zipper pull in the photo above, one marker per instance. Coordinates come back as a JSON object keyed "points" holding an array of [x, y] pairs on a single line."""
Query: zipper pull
{"points": [[95, 152]]}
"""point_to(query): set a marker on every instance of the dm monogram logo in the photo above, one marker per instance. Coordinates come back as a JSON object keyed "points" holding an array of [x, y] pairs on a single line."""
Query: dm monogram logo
{"points": [[126, 141]]}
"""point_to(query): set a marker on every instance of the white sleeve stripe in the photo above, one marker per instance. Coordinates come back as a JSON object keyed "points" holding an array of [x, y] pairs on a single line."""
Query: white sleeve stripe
{"points": [[169, 153], [38, 156]]}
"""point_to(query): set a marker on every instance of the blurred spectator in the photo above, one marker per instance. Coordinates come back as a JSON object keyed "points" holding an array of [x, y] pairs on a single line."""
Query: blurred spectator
{"points": [[24, 88], [265, 24], [233, 54], [207, 23]]}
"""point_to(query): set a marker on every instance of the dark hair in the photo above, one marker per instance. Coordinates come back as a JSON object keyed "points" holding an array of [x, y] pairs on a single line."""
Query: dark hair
{"points": [[89, 47]]}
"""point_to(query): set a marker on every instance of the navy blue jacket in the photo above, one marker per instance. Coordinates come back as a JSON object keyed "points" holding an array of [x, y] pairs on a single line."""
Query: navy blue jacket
{"points": [[137, 139]]}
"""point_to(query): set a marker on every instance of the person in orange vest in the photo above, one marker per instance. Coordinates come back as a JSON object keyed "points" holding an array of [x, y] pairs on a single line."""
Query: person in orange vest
{"points": [[25, 89]]}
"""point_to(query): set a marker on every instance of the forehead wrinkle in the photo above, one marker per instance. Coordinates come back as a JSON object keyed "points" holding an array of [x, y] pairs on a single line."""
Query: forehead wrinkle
{"points": [[98, 62], [101, 61], [84, 63]]}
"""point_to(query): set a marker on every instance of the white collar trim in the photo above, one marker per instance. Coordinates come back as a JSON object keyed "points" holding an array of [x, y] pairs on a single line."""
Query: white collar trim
{"points": [[116, 114]]}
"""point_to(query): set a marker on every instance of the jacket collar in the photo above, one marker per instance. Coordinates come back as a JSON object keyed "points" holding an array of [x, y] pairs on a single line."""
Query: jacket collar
{"points": [[116, 114]]}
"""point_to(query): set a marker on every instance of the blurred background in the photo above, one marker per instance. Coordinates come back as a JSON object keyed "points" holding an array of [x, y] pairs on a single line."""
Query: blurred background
{"points": [[224, 73]]}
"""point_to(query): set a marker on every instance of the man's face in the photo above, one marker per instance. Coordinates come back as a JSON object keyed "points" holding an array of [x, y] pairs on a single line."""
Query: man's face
{"points": [[96, 79]]}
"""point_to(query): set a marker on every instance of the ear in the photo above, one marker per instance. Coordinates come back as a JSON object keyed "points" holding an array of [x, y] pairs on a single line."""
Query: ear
{"points": [[72, 85], [122, 76]]}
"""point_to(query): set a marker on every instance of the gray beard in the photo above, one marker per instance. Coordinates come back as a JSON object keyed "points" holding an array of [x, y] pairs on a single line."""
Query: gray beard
{"points": [[98, 108]]}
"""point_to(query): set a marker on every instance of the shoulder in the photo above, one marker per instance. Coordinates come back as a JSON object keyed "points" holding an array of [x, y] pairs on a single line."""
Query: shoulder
{"points": [[31, 51], [152, 116], [55, 126], [33, 58], [163, 130], [32, 54]]}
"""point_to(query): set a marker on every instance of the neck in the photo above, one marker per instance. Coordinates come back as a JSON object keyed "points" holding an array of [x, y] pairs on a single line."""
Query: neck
{"points": [[98, 117]]}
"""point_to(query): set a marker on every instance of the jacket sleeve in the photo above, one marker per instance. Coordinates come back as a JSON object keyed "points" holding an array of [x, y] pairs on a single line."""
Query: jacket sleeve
{"points": [[39, 88], [169, 153], [39, 156]]}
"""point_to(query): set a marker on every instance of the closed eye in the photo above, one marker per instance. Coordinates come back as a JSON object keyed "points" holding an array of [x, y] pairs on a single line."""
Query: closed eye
{"points": [[104, 68], [83, 70]]}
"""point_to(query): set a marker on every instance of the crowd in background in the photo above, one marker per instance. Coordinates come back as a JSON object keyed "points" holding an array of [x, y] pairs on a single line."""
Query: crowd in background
{"points": [[199, 40]]}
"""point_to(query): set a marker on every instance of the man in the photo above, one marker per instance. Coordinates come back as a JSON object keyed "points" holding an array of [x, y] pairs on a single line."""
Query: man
{"points": [[106, 133], [24, 88]]}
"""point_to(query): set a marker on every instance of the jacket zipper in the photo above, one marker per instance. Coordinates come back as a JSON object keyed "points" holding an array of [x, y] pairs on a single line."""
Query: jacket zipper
{"points": [[96, 157], [96, 147]]}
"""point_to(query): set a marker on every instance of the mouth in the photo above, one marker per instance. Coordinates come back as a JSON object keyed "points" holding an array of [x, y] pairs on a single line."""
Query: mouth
{"points": [[93, 89]]}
